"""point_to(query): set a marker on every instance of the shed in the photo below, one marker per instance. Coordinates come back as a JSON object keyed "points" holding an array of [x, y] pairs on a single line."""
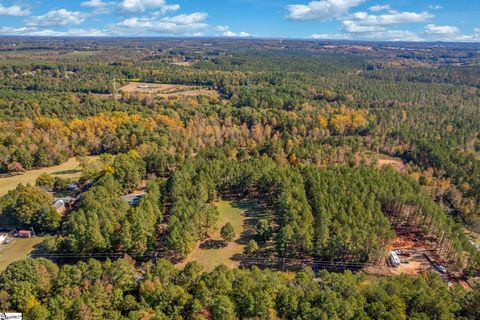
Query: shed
{"points": [[59, 206], [25, 233]]}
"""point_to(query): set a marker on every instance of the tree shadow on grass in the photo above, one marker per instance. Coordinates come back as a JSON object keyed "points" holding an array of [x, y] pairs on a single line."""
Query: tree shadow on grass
{"points": [[71, 171], [253, 212], [213, 244]]}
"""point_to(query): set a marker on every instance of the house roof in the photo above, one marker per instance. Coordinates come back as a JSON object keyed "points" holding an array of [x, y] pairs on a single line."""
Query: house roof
{"points": [[133, 199]]}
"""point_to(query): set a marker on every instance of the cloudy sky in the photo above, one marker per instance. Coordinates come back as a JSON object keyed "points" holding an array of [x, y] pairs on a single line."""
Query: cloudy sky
{"points": [[411, 20]]}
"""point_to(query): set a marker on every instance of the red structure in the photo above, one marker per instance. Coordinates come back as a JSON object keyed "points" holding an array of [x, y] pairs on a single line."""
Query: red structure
{"points": [[25, 234]]}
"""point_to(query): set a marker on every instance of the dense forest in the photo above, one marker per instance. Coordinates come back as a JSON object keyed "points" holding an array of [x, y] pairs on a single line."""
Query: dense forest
{"points": [[300, 128], [118, 290]]}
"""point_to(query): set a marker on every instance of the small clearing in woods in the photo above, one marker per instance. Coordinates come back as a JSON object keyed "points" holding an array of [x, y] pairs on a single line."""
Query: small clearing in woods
{"points": [[396, 163], [67, 170], [210, 256], [414, 252], [167, 90]]}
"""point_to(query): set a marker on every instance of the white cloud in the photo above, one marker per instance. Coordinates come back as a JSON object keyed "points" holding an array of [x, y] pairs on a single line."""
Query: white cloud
{"points": [[15, 11], [236, 34], [98, 6], [378, 8], [60, 17], [94, 4], [222, 28], [185, 19], [321, 10], [382, 35], [354, 27], [363, 22], [441, 30], [181, 24], [435, 7], [145, 5], [393, 35], [431, 32], [34, 31], [390, 18], [327, 36], [226, 32], [449, 33]]}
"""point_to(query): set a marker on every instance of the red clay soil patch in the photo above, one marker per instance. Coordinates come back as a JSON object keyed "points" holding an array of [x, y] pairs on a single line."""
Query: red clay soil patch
{"points": [[413, 251]]}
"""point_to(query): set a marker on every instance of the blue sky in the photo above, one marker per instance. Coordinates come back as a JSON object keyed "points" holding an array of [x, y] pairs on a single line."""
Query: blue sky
{"points": [[410, 20]]}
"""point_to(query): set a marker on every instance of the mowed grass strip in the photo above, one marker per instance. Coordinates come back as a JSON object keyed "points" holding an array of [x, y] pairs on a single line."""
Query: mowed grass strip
{"points": [[69, 169], [17, 249], [209, 258]]}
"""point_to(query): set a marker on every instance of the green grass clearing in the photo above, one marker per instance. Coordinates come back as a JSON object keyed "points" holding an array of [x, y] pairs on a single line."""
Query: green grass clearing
{"points": [[17, 249], [69, 169], [235, 212]]}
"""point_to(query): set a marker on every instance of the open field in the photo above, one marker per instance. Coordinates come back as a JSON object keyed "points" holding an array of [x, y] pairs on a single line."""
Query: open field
{"points": [[166, 90], [68, 170], [16, 250], [385, 160], [396, 163], [237, 213]]}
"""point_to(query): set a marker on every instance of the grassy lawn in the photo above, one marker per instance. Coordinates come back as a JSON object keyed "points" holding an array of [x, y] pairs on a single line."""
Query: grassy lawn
{"points": [[16, 250], [68, 169], [237, 213]]}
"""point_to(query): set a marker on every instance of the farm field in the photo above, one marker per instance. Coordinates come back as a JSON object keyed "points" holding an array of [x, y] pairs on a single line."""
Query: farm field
{"points": [[68, 170], [16, 250], [237, 213], [166, 90]]}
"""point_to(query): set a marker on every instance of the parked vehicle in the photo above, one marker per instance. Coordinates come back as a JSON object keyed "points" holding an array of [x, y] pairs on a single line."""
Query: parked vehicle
{"points": [[440, 268], [393, 259]]}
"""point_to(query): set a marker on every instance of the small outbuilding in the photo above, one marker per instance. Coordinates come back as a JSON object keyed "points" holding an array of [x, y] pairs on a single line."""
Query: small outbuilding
{"points": [[59, 206], [25, 233]]}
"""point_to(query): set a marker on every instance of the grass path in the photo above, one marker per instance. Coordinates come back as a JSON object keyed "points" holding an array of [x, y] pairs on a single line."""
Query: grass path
{"points": [[234, 212], [67, 169], [17, 249]]}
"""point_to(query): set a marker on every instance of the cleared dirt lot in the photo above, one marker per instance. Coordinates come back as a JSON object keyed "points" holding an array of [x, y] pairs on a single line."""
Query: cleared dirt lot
{"points": [[412, 251], [396, 163], [166, 90]]}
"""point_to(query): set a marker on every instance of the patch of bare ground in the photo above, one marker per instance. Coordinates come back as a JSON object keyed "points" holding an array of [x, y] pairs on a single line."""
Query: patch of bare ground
{"points": [[413, 253], [396, 163], [167, 90]]}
